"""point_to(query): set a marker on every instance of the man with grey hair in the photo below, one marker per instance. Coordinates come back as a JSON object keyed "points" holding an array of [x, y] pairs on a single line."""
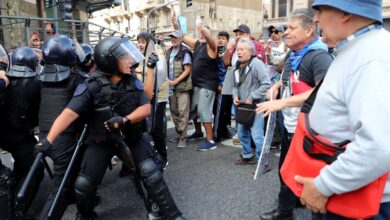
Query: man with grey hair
{"points": [[305, 66], [251, 82]]}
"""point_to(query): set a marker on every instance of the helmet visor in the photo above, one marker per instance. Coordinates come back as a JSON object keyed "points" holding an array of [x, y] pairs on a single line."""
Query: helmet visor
{"points": [[79, 51], [4, 59], [126, 49]]}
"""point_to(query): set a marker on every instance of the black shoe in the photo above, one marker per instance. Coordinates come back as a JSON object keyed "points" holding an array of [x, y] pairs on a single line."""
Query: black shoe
{"points": [[93, 216], [125, 172], [276, 215]]}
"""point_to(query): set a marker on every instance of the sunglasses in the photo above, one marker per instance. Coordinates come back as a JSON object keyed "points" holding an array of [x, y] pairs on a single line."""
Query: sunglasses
{"points": [[274, 32]]}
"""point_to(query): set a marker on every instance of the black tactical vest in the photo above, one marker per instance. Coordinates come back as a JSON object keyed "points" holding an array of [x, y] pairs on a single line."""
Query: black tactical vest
{"points": [[111, 100], [20, 107], [54, 98], [102, 110]]}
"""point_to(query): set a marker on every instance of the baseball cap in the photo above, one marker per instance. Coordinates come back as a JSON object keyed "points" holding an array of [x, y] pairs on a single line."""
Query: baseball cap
{"points": [[176, 34], [276, 27], [242, 28]]}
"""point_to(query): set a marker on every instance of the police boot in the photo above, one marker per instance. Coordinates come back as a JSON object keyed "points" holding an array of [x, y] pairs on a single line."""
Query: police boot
{"points": [[92, 216], [154, 213], [158, 189], [85, 193]]}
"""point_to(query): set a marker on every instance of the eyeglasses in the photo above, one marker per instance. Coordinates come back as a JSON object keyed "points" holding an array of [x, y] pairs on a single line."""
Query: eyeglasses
{"points": [[274, 32]]}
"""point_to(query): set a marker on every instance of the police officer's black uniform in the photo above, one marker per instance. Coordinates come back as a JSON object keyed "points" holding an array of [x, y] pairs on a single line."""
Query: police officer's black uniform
{"points": [[59, 81], [101, 98], [20, 116]]}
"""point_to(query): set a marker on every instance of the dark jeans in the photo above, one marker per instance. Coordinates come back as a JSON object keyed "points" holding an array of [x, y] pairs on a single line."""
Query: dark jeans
{"points": [[158, 133], [222, 115], [287, 199], [384, 214]]}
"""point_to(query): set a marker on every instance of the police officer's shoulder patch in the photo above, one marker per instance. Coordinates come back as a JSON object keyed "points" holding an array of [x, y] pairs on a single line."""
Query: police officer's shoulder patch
{"points": [[139, 85], [81, 88]]}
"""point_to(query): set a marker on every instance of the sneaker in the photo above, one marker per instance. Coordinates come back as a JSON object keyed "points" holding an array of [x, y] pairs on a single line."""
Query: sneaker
{"points": [[246, 161], [267, 168], [195, 136], [114, 160], [174, 140], [276, 146], [276, 215], [207, 145], [182, 143]]}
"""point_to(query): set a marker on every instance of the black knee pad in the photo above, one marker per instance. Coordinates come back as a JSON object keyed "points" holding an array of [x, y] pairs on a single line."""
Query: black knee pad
{"points": [[150, 171], [84, 185]]}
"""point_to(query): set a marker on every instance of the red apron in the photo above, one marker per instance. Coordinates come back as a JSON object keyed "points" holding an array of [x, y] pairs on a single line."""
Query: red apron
{"points": [[309, 153]]}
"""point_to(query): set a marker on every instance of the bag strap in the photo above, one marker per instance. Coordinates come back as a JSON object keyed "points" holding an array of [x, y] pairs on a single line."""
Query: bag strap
{"points": [[308, 104], [308, 145]]}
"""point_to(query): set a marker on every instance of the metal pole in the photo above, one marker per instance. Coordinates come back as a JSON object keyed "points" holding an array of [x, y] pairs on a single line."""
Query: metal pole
{"points": [[55, 15], [154, 9]]}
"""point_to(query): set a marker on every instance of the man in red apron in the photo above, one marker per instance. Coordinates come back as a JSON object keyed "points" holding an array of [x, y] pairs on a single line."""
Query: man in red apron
{"points": [[305, 66], [352, 104]]}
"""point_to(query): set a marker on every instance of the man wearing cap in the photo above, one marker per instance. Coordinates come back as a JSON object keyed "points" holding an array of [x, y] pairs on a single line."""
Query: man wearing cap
{"points": [[180, 83], [242, 31], [352, 102], [275, 50], [205, 82]]}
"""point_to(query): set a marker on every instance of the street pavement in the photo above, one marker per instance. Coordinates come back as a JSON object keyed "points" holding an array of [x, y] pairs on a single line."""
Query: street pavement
{"points": [[205, 185]]}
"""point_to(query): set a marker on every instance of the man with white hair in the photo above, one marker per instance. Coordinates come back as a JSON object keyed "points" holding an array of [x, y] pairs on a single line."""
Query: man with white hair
{"points": [[251, 82]]}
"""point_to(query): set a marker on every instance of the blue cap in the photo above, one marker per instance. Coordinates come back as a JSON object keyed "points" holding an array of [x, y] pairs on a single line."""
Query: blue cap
{"points": [[371, 9]]}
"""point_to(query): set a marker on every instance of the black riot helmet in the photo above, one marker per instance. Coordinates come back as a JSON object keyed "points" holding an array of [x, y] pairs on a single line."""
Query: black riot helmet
{"points": [[4, 59], [88, 50], [111, 50], [24, 62], [88, 63], [60, 50]]}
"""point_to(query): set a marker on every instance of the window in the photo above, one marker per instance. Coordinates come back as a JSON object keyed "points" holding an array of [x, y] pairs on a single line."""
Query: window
{"points": [[167, 18], [273, 12], [291, 5], [282, 8]]}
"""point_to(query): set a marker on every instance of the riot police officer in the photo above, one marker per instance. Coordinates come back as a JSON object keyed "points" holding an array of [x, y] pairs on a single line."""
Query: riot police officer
{"points": [[4, 66], [20, 116], [88, 63], [102, 97], [59, 80]]}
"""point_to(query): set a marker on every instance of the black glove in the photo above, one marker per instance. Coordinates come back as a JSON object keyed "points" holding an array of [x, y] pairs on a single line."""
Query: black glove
{"points": [[3, 66], [42, 146], [116, 122], [152, 60]]}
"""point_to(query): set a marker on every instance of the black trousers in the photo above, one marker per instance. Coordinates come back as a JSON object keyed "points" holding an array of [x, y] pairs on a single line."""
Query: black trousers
{"points": [[61, 154], [21, 146], [158, 132], [222, 115], [287, 199], [97, 157]]}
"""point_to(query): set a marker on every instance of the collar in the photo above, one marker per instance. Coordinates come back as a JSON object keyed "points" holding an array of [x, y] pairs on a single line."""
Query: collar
{"points": [[358, 33]]}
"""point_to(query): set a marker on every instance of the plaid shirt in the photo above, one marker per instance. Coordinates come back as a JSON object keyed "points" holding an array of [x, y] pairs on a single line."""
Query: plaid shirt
{"points": [[259, 50]]}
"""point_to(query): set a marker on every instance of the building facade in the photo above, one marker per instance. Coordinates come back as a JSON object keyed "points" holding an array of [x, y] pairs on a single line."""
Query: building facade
{"points": [[217, 14]]}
